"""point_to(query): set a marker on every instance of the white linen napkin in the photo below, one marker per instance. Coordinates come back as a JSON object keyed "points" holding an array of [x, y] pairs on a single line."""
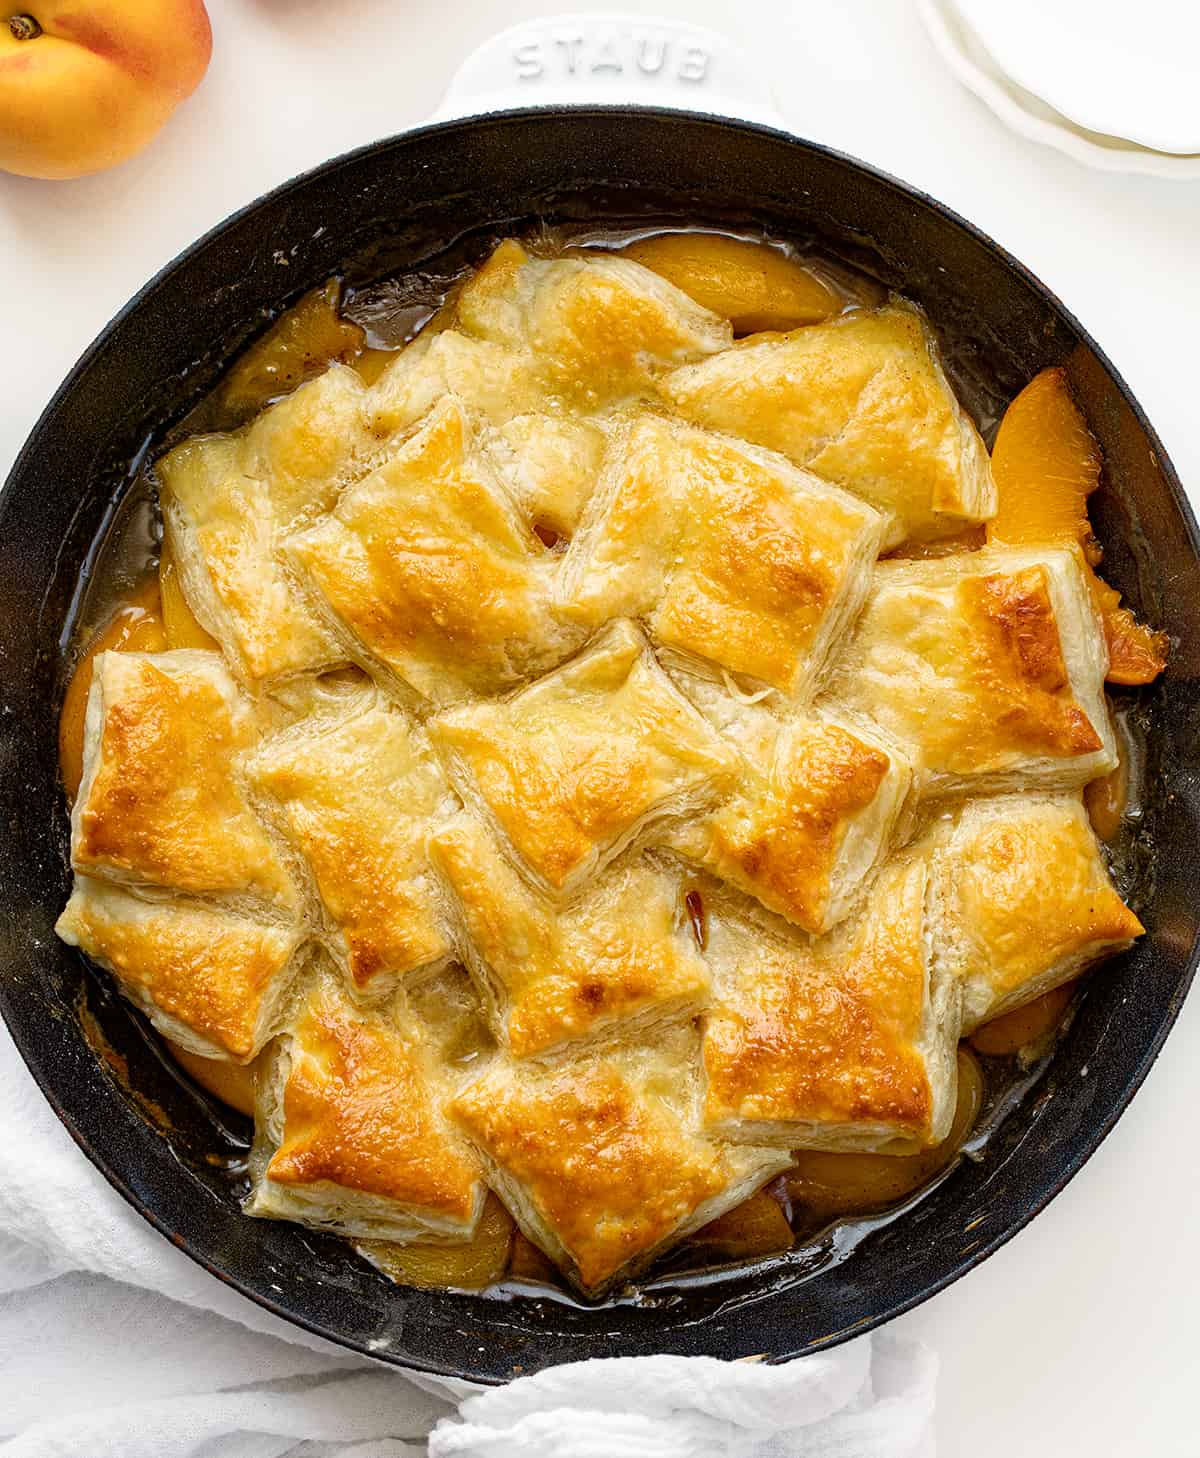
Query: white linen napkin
{"points": [[113, 1344]]}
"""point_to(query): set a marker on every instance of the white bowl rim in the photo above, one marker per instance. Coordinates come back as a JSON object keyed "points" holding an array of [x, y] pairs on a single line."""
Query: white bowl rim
{"points": [[944, 25]]}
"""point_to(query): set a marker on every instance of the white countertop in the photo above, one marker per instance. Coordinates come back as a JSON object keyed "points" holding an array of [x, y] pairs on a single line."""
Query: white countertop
{"points": [[1076, 1338]]}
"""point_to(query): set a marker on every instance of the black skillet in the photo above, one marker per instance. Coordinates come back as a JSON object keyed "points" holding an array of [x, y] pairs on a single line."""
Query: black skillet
{"points": [[389, 208]]}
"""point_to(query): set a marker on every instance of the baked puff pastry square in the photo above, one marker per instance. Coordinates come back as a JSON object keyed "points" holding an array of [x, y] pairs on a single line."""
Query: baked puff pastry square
{"points": [[602, 1164], [862, 401], [990, 665], [211, 981], [162, 802], [355, 791], [551, 463], [547, 458], [429, 573], [731, 554], [812, 818], [228, 500], [580, 763], [493, 380], [619, 959], [1026, 901], [601, 328], [846, 1042], [350, 1130]]}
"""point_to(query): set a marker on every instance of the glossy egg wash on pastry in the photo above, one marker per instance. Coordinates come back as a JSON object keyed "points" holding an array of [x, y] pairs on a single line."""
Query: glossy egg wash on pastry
{"points": [[595, 757]]}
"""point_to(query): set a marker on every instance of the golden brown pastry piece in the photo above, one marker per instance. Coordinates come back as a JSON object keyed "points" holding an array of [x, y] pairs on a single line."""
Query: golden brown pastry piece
{"points": [[1026, 901], [430, 574], [618, 959], [491, 381], [229, 499], [547, 458], [600, 328], [211, 981], [729, 553], [161, 802], [355, 790], [990, 664], [601, 1162], [861, 401], [350, 1130], [551, 463], [583, 761], [845, 1042], [813, 816]]}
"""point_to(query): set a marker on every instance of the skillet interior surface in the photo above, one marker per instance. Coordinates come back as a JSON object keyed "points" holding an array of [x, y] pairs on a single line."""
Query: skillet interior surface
{"points": [[387, 209]]}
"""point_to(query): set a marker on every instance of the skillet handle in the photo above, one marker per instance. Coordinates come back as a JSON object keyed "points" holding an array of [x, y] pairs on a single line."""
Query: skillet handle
{"points": [[609, 59]]}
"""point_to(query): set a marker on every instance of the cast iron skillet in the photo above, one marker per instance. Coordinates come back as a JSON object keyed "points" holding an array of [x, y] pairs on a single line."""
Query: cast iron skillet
{"points": [[388, 207]]}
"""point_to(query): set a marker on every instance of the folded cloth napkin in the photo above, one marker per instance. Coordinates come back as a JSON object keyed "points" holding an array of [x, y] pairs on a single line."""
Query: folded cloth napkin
{"points": [[113, 1344]]}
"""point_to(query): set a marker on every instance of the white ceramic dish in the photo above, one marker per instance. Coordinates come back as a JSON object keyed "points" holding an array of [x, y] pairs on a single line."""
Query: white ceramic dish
{"points": [[1024, 44]]}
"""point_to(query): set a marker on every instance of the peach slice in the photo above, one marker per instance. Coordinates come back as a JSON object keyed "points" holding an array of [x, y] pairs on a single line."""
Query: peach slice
{"points": [[1024, 1026], [1107, 798], [826, 1186], [1046, 464], [232, 1083], [754, 286], [755, 1228], [475, 1263], [529, 1263], [301, 342]]}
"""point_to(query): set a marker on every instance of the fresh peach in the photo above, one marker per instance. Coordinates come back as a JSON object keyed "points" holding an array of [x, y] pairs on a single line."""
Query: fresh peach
{"points": [[85, 84]]}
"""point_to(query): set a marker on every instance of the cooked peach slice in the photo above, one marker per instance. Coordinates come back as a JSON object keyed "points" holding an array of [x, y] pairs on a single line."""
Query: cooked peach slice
{"points": [[753, 285], [1106, 799], [1024, 1026], [826, 1186], [754, 1229], [528, 1263], [301, 342], [470, 1266], [1136, 653], [1046, 464], [232, 1083]]}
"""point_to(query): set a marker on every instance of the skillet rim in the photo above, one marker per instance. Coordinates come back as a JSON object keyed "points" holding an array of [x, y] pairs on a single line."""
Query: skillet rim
{"points": [[1073, 1160]]}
